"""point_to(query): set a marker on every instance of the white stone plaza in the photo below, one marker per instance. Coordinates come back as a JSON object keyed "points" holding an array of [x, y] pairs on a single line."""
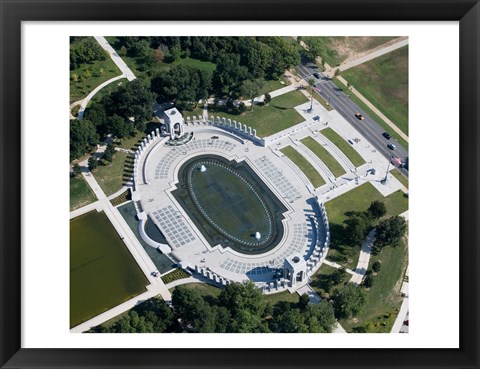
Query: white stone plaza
{"points": [[304, 243]]}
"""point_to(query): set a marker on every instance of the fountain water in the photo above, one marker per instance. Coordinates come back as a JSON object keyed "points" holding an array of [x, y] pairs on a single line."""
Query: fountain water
{"points": [[257, 235], [203, 168]]}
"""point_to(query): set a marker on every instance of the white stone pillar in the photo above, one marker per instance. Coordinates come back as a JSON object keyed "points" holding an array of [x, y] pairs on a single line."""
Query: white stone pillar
{"points": [[158, 132], [255, 132]]}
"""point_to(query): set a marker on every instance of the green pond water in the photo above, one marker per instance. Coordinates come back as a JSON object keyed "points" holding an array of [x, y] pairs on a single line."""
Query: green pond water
{"points": [[230, 204], [103, 273], [162, 262]]}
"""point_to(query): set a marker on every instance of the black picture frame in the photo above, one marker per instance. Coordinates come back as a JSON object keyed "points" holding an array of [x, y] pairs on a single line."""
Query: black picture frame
{"points": [[467, 12]]}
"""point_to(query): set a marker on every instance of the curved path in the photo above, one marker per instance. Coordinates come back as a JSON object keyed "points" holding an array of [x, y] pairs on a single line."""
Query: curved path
{"points": [[126, 73]]}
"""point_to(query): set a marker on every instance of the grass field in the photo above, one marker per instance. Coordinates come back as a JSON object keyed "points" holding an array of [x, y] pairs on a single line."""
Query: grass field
{"points": [[344, 146], [86, 77], [80, 193], [384, 82], [108, 89], [111, 178], [267, 120], [99, 263], [208, 291], [319, 280], [359, 200], [313, 176], [371, 114], [395, 172], [324, 156], [384, 297]]}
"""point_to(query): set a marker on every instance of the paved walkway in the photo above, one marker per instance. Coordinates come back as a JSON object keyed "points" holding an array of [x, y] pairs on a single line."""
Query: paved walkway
{"points": [[375, 53], [397, 326], [364, 258], [126, 73], [85, 101]]}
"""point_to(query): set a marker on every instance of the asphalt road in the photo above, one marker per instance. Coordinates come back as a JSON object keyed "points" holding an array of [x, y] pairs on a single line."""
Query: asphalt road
{"points": [[347, 109]]}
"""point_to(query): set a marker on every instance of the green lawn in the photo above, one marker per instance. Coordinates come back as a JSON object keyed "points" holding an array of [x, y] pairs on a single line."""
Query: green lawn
{"points": [[80, 193], [195, 63], [384, 297], [344, 146], [384, 82], [112, 177], [86, 77], [273, 85], [313, 176], [131, 143], [396, 173], [108, 89], [206, 290], [360, 199], [324, 156], [275, 298], [319, 280], [267, 120]]}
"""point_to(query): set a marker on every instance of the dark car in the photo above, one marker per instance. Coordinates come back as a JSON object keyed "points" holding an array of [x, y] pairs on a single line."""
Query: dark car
{"points": [[391, 146], [316, 75], [386, 135], [359, 116]]}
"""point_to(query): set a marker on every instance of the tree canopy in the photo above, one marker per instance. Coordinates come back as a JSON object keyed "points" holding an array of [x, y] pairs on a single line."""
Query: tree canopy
{"points": [[349, 301], [83, 138], [389, 232]]}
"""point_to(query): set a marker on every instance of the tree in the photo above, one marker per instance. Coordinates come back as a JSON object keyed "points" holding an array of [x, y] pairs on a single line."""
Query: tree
{"points": [[376, 266], [134, 100], [368, 281], [83, 138], [246, 305], [377, 209], [349, 301], [76, 170], [92, 163], [337, 72], [267, 98], [118, 126], [229, 73], [108, 153], [303, 301], [389, 232], [251, 89], [85, 51], [140, 49], [241, 107], [357, 227]]}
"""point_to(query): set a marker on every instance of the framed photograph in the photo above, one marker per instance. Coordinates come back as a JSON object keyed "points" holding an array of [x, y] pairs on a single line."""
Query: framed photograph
{"points": [[239, 188]]}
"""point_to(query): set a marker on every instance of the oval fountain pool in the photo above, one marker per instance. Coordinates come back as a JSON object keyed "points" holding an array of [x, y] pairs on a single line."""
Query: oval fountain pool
{"points": [[230, 204]]}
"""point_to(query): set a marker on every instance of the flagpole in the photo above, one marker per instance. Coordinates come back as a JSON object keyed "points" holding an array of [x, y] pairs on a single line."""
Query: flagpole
{"points": [[386, 173]]}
